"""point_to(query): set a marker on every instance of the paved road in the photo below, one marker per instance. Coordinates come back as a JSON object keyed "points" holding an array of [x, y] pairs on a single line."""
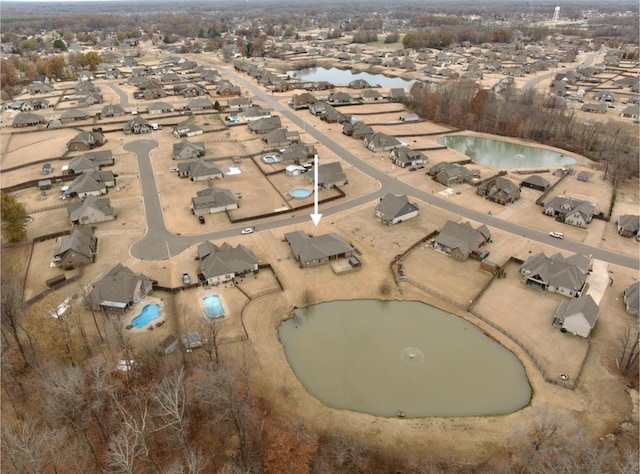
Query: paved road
{"points": [[160, 244], [533, 83]]}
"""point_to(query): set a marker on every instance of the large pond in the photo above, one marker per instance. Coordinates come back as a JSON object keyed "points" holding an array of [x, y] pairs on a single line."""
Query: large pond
{"points": [[342, 77], [386, 358], [501, 155]]}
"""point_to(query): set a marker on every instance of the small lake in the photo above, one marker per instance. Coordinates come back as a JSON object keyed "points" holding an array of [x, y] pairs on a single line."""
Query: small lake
{"points": [[381, 357], [342, 77], [504, 155]]}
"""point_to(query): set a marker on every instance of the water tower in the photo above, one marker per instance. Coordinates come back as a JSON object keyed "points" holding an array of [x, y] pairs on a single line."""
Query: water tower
{"points": [[556, 14]]}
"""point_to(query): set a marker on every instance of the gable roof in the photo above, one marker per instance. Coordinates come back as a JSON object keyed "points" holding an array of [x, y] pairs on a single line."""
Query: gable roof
{"points": [[307, 248], [82, 241], [77, 212], [225, 259], [118, 287], [213, 197], [463, 237], [392, 206], [203, 168], [570, 273], [536, 181], [584, 307], [632, 297]]}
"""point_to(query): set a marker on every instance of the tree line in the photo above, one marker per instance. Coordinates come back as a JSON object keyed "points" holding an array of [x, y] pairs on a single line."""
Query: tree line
{"points": [[524, 114]]}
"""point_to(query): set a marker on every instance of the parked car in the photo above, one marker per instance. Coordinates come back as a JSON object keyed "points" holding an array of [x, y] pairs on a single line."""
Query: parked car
{"points": [[201, 219], [557, 235], [248, 230], [484, 254], [186, 279]]}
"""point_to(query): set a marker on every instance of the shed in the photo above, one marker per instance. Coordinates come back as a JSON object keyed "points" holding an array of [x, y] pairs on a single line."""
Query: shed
{"points": [[56, 280], [193, 340], [355, 262], [489, 266], [45, 184], [168, 344]]}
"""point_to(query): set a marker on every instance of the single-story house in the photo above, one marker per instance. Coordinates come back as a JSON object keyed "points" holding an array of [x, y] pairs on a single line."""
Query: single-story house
{"points": [[91, 161], [238, 104], [449, 174], [329, 175], [112, 110], [200, 104], [405, 157], [77, 249], [536, 182], [27, 119], [461, 240], [381, 142], [394, 209], [87, 140], [265, 125], [370, 95], [200, 170], [87, 184], [340, 98], [632, 111], [558, 274], [213, 200], [298, 153], [629, 225], [118, 289], [185, 150], [159, 108], [397, 94], [499, 189], [91, 211], [577, 316], [280, 137], [595, 108], [357, 129], [72, 115], [312, 251], [572, 211], [299, 101], [223, 263], [186, 129], [632, 298]]}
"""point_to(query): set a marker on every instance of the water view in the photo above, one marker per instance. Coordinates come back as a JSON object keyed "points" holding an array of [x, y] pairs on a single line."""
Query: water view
{"points": [[401, 357], [342, 77], [505, 155]]}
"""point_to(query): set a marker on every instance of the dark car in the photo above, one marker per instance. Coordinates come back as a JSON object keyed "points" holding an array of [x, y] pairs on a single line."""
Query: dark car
{"points": [[201, 219]]}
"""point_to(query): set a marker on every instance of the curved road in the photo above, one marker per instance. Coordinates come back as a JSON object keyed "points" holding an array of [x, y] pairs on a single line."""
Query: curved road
{"points": [[160, 244]]}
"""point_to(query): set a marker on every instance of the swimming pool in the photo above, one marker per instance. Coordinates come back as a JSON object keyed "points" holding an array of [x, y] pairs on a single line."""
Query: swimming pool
{"points": [[213, 306], [300, 193], [149, 313]]}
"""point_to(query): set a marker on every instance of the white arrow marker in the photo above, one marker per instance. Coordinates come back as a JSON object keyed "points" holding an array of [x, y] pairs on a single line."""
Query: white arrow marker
{"points": [[315, 217]]}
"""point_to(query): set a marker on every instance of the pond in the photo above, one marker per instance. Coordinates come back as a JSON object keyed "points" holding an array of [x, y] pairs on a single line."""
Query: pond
{"points": [[342, 77], [401, 357], [505, 155]]}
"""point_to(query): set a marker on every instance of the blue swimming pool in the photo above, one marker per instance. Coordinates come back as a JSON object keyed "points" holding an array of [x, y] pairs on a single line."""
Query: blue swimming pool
{"points": [[213, 306], [300, 193], [149, 313]]}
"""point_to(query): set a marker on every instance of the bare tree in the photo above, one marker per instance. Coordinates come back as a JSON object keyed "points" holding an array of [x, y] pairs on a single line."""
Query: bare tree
{"points": [[628, 347], [210, 329], [23, 447], [11, 311]]}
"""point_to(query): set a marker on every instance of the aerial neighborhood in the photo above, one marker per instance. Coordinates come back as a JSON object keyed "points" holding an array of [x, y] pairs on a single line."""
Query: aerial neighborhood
{"points": [[174, 197]]}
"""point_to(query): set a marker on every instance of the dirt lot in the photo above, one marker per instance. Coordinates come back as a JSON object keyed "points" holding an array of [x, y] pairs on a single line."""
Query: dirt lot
{"points": [[258, 305]]}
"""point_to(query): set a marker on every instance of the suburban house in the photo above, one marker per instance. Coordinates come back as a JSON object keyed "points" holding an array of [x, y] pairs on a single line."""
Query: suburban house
{"points": [[200, 104], [397, 94], [595, 108], [251, 114], [137, 125], [76, 249], [558, 274], [280, 137], [340, 98], [312, 251], [93, 183], [628, 226], [329, 175], [536, 182], [265, 125], [72, 115], [200, 170], [631, 111], [449, 174], [186, 129], [570, 210], [27, 119], [318, 108], [577, 316], [300, 101], [119, 289], [238, 104], [370, 95], [357, 129], [499, 189], [394, 209], [185, 150], [212, 200], [91, 211], [223, 263], [298, 153], [405, 157], [333, 115], [159, 108], [632, 298], [86, 140], [381, 142], [112, 110], [88, 162], [461, 240]]}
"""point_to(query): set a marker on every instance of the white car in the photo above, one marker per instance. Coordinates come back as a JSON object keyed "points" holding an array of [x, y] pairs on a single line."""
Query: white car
{"points": [[248, 230], [557, 235]]}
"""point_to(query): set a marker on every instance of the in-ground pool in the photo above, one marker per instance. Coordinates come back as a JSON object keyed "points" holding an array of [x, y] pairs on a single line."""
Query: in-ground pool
{"points": [[213, 306], [505, 155], [149, 313], [300, 193], [401, 357]]}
